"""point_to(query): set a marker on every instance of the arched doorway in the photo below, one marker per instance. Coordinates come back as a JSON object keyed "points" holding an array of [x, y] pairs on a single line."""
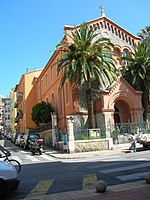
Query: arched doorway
{"points": [[116, 115], [122, 112]]}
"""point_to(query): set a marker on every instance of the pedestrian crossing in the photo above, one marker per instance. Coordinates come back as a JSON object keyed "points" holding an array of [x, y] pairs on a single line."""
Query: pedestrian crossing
{"points": [[117, 172], [30, 159]]}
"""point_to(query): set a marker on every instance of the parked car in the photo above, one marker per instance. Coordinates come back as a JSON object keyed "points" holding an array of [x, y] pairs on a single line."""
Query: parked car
{"points": [[8, 178], [19, 139], [15, 135], [22, 141], [29, 137], [10, 135]]}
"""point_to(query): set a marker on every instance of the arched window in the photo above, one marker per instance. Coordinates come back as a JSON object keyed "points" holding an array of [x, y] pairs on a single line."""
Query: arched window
{"points": [[101, 24], [51, 74], [59, 102], [39, 90], [117, 51], [112, 28], [67, 93], [107, 55], [46, 80], [125, 53], [108, 26], [122, 36]]}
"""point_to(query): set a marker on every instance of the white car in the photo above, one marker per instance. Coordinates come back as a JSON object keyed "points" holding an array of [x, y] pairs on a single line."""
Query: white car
{"points": [[8, 178]]}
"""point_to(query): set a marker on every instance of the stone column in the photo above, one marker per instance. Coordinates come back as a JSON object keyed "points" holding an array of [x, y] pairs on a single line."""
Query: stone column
{"points": [[70, 132], [108, 122]]}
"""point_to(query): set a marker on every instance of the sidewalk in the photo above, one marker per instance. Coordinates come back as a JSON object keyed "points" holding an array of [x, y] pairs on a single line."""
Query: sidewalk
{"points": [[117, 149], [134, 190]]}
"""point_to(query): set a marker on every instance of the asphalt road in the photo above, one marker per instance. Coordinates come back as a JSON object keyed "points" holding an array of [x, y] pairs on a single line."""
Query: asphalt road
{"points": [[59, 175]]}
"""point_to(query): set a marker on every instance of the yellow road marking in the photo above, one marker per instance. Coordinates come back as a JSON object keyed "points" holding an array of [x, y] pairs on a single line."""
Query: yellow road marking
{"points": [[41, 188], [89, 181]]}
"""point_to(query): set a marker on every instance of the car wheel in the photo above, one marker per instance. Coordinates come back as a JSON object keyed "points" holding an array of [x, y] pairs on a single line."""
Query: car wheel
{"points": [[3, 189]]}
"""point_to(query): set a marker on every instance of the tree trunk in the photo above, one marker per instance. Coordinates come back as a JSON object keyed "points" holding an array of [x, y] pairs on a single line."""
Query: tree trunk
{"points": [[90, 108], [145, 103]]}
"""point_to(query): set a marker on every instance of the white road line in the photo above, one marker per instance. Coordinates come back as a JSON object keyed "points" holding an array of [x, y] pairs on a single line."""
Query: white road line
{"points": [[132, 176], [25, 152], [46, 157], [119, 169], [32, 158]]}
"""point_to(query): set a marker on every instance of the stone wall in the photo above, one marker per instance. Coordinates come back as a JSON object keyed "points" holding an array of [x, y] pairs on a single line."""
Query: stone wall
{"points": [[87, 145], [91, 145]]}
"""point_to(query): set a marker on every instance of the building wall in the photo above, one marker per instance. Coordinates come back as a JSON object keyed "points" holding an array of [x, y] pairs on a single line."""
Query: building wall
{"points": [[26, 100], [46, 86], [48, 89], [48, 83]]}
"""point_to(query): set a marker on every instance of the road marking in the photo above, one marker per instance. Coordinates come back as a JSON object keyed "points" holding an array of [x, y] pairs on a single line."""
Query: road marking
{"points": [[119, 169], [103, 165], [89, 181], [26, 152], [32, 158], [16, 158], [40, 189], [47, 157], [132, 176]]}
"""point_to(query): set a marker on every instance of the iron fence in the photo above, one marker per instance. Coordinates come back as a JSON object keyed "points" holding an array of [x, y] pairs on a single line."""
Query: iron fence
{"points": [[120, 132]]}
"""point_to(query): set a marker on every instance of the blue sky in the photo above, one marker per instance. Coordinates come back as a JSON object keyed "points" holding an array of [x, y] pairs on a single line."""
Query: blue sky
{"points": [[29, 29]]}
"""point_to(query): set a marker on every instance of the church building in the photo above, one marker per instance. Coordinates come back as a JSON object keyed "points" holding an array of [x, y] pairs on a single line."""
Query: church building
{"points": [[120, 103]]}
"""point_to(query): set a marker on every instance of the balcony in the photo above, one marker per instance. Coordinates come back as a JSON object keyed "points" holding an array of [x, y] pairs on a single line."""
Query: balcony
{"points": [[19, 114], [16, 120], [19, 96], [16, 104]]}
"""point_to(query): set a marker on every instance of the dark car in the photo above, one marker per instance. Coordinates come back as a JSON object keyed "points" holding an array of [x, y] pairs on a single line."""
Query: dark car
{"points": [[15, 135], [30, 137]]}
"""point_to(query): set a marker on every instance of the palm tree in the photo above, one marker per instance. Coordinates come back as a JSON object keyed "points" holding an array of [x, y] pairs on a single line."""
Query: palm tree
{"points": [[85, 61], [144, 34], [138, 73]]}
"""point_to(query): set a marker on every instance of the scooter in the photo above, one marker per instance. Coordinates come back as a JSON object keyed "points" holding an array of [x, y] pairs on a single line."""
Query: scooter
{"points": [[36, 146]]}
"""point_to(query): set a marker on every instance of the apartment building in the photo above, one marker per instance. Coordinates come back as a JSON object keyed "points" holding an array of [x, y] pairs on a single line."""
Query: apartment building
{"points": [[25, 99], [6, 115]]}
